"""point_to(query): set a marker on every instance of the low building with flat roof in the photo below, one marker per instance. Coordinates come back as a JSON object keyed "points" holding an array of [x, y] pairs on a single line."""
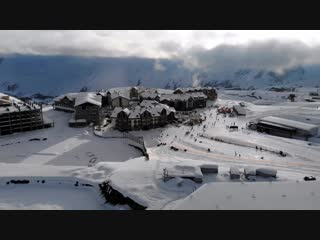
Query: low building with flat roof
{"points": [[286, 127]]}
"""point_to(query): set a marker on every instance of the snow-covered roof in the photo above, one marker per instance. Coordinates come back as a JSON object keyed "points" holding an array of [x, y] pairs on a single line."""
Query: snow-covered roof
{"points": [[290, 123], [5, 101], [16, 109], [192, 89], [12, 99], [154, 112], [173, 97], [82, 97], [151, 106], [250, 170], [132, 104], [278, 125], [184, 171], [149, 95], [121, 94], [115, 112], [70, 96], [240, 110], [234, 170], [149, 103], [17, 105], [156, 106], [126, 111], [88, 98], [164, 91], [197, 95], [183, 97], [135, 113], [253, 195], [102, 93], [65, 108]]}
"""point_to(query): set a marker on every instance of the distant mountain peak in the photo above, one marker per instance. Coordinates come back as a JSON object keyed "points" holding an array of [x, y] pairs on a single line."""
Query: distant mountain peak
{"points": [[54, 75]]}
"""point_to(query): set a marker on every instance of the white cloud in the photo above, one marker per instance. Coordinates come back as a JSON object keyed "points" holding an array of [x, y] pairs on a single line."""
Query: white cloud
{"points": [[195, 80], [219, 49], [147, 43], [273, 55], [158, 66]]}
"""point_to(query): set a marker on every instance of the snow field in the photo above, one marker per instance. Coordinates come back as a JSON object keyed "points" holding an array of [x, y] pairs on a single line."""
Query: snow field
{"points": [[67, 152]]}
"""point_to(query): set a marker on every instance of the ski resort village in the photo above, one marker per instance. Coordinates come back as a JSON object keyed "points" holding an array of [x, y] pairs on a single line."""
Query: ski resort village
{"points": [[150, 148]]}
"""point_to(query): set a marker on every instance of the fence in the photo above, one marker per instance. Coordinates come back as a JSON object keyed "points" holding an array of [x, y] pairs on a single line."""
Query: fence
{"points": [[249, 145], [133, 138], [138, 141]]}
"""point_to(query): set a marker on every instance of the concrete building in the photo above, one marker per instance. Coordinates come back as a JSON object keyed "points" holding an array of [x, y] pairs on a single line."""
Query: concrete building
{"points": [[17, 116]]}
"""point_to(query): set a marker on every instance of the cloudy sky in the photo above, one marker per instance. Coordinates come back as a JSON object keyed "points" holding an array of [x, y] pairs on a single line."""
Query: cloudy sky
{"points": [[227, 48]]}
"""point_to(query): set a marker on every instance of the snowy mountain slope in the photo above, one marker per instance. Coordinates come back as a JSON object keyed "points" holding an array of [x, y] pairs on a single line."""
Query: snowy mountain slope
{"points": [[24, 75], [299, 76], [54, 75]]}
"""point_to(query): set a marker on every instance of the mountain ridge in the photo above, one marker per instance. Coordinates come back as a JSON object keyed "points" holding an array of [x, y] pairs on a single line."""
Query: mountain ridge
{"points": [[26, 75]]}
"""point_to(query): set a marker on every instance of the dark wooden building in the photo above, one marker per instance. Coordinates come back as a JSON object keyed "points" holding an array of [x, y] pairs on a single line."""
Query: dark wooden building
{"points": [[210, 92], [65, 102], [88, 107], [185, 101], [145, 116]]}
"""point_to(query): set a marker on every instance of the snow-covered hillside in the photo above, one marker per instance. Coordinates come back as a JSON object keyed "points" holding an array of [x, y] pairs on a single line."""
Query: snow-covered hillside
{"points": [[300, 76], [55, 75], [26, 75]]}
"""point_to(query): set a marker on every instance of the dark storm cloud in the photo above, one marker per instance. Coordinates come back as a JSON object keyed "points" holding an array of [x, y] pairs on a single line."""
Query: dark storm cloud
{"points": [[188, 46]]}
